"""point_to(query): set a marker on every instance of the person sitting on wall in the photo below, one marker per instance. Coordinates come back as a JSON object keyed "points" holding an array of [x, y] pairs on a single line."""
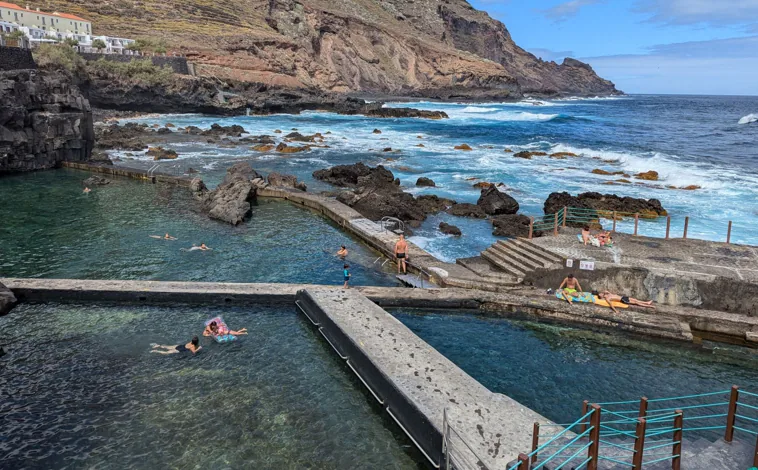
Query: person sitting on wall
{"points": [[611, 297], [570, 287]]}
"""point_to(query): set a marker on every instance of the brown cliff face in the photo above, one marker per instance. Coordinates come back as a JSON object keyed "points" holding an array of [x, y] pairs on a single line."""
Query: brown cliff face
{"points": [[402, 47]]}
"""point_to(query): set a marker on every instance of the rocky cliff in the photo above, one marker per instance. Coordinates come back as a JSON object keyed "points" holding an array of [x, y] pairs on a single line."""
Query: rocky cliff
{"points": [[44, 120], [404, 47]]}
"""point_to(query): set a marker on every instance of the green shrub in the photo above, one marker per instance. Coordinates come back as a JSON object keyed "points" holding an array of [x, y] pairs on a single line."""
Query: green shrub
{"points": [[99, 44], [70, 42], [17, 34], [58, 57], [138, 70], [148, 45]]}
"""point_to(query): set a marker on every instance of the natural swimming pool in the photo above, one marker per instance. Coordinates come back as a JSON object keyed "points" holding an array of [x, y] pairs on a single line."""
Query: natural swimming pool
{"points": [[51, 229], [80, 389], [552, 369]]}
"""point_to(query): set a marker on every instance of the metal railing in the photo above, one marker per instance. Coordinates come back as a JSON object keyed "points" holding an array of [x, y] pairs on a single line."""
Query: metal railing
{"points": [[457, 454], [585, 216]]}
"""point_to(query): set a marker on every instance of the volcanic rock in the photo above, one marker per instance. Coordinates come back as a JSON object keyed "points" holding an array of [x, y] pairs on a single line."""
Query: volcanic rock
{"points": [[512, 225], [159, 153], [483, 185], [217, 130], [377, 131], [448, 229], [465, 209], [527, 155], [561, 155], [7, 300], [603, 204], [298, 137], [232, 200], [462, 147], [352, 176], [96, 180], [263, 147], [494, 202], [380, 112], [432, 204], [424, 181], [284, 148], [285, 181], [647, 175]]}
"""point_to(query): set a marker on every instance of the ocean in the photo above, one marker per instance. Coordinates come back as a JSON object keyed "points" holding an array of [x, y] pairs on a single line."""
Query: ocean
{"points": [[707, 142]]}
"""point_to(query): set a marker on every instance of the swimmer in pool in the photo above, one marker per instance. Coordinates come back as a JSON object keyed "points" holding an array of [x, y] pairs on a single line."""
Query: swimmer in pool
{"points": [[193, 347], [343, 252], [213, 330], [202, 247], [87, 190], [165, 237]]}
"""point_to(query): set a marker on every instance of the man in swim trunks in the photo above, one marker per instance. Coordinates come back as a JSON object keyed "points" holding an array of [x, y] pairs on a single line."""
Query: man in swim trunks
{"points": [[570, 287], [401, 254], [343, 252], [611, 297], [193, 347]]}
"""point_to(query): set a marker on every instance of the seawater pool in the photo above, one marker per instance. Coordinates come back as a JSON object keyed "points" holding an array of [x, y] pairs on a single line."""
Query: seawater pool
{"points": [[552, 369], [51, 229], [80, 389]]}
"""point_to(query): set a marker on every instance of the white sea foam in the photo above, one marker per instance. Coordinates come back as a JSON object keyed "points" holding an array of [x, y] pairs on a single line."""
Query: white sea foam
{"points": [[748, 119], [477, 109]]}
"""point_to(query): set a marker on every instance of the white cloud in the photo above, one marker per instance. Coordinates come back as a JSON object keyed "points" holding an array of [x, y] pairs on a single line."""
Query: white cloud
{"points": [[723, 66], [742, 13], [566, 10]]}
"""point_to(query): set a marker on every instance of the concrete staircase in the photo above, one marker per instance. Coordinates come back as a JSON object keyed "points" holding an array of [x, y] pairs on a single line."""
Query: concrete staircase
{"points": [[697, 454], [516, 257]]}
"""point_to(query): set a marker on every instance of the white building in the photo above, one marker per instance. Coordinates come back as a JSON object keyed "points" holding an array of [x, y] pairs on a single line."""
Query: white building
{"points": [[45, 21]]}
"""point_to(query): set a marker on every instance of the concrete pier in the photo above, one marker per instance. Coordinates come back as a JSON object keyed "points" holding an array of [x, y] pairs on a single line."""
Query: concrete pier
{"points": [[133, 173], [417, 386]]}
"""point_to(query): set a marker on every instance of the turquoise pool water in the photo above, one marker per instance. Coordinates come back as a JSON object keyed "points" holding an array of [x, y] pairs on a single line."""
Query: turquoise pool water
{"points": [[80, 389], [51, 229], [552, 369]]}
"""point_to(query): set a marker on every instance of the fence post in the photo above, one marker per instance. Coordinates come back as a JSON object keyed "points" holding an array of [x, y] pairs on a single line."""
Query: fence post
{"points": [[523, 459], [643, 407], [730, 417], [535, 441], [639, 444], [594, 448], [614, 222], [555, 225], [636, 223], [585, 409], [686, 226], [668, 226], [676, 450], [565, 215], [729, 233], [755, 454], [531, 227]]}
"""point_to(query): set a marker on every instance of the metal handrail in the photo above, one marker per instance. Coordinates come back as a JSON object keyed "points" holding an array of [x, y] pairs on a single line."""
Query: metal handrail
{"points": [[446, 429]]}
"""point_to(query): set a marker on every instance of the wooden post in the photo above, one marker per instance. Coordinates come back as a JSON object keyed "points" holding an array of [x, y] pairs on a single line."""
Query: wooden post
{"points": [[535, 441], [731, 414], [668, 227], [755, 455], [531, 227], [729, 233], [565, 215], [555, 225], [585, 409], [594, 448], [639, 444], [523, 462], [686, 226], [643, 407], [614, 222], [676, 449], [636, 223]]}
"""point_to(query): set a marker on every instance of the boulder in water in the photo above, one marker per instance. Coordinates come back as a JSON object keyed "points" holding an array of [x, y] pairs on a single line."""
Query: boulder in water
{"points": [[494, 202], [230, 131], [465, 209], [604, 204], [647, 175], [96, 180], [448, 229], [377, 131], [263, 147], [279, 180], [232, 200], [159, 153], [284, 148], [527, 155], [463, 147], [7, 300], [424, 181], [512, 225]]}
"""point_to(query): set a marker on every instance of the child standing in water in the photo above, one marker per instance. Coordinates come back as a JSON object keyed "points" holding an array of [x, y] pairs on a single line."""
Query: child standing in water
{"points": [[347, 275]]}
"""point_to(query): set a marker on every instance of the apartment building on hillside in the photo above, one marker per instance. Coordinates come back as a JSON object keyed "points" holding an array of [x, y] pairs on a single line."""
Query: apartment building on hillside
{"points": [[34, 18]]}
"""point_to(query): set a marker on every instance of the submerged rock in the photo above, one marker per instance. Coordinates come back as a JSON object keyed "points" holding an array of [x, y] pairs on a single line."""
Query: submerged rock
{"points": [[7, 300], [284, 148], [218, 131], [298, 137], [448, 229], [263, 147], [528, 155], [462, 147], [647, 175], [376, 131], [159, 153], [465, 209], [494, 202], [424, 181], [96, 180]]}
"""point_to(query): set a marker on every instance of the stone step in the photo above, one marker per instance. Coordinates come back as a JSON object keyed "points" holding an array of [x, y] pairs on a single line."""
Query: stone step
{"points": [[506, 250], [506, 257], [494, 258], [541, 260], [538, 250], [484, 268]]}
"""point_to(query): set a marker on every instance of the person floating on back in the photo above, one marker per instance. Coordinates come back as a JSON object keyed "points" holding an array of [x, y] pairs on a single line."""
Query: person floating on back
{"points": [[347, 275], [193, 347], [213, 329], [569, 287], [343, 252], [401, 254], [611, 297]]}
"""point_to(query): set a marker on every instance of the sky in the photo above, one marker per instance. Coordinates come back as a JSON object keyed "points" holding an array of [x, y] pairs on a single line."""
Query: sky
{"points": [[707, 47]]}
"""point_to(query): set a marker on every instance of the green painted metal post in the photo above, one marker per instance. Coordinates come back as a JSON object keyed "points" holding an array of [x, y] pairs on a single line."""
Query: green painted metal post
{"points": [[565, 215], [731, 414]]}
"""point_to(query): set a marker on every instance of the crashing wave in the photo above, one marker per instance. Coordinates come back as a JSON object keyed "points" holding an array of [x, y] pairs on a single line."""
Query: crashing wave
{"points": [[748, 119]]}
